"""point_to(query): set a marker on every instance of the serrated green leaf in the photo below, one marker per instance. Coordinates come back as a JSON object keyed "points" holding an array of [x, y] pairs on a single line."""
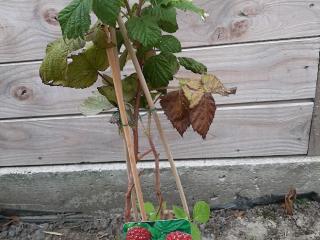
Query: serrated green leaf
{"points": [[95, 104], [107, 10], [159, 69], [54, 65], [201, 212], [169, 43], [75, 19], [82, 72], [179, 213], [195, 232], [144, 30], [166, 17], [192, 65]]}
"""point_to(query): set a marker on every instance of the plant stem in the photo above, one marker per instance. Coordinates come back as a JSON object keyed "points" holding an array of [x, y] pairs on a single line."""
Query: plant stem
{"points": [[126, 3], [135, 129], [140, 4], [147, 133], [115, 67], [140, 157], [156, 118]]}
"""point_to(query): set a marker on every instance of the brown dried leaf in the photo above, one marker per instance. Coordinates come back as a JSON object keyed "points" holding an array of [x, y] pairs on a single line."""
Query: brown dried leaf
{"points": [[289, 201], [212, 84], [202, 115], [176, 107]]}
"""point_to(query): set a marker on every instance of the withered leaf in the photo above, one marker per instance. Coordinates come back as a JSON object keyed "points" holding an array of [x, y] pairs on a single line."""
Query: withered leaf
{"points": [[176, 107], [193, 90], [211, 84], [289, 201], [202, 115]]}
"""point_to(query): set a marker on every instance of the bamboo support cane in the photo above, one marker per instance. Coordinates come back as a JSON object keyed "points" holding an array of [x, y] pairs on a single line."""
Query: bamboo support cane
{"points": [[133, 192], [154, 113], [116, 73]]}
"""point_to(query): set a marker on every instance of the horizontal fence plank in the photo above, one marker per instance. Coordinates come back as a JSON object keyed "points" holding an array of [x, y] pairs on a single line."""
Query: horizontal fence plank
{"points": [[262, 72], [257, 130], [26, 26], [233, 21]]}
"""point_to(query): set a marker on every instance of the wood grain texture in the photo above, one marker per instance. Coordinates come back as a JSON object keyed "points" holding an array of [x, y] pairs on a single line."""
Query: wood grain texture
{"points": [[26, 26], [314, 143], [253, 130], [262, 72], [249, 20]]}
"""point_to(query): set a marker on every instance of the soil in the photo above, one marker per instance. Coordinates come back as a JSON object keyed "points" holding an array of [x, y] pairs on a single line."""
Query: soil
{"points": [[259, 223]]}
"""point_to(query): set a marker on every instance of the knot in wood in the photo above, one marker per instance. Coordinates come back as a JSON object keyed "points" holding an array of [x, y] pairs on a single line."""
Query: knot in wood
{"points": [[50, 16], [23, 93], [239, 27]]}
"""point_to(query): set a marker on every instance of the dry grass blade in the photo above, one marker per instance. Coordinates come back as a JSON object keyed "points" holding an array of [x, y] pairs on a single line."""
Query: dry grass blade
{"points": [[53, 233]]}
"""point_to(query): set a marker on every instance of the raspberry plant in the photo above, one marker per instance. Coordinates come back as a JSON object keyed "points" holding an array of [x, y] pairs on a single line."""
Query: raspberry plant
{"points": [[82, 56]]}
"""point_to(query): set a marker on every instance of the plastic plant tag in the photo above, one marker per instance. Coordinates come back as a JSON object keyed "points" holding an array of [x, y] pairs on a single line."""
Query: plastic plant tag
{"points": [[159, 230]]}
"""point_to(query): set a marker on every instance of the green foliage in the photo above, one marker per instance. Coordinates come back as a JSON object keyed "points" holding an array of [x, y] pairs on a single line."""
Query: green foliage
{"points": [[54, 65], [201, 212], [83, 70], [179, 212], [169, 43], [64, 67], [187, 5], [95, 104], [144, 30], [159, 69], [75, 19], [192, 65], [166, 17], [129, 86], [195, 232], [107, 11]]}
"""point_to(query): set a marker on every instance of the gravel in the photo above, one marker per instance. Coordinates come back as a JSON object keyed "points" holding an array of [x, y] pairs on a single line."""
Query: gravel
{"points": [[267, 222]]}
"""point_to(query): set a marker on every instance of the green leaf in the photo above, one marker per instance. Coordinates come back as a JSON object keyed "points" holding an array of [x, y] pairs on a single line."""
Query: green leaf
{"points": [[54, 65], [129, 86], [187, 5], [107, 10], [123, 59], [166, 17], [83, 70], [201, 212], [144, 30], [149, 208], [179, 213], [159, 69], [195, 232], [109, 93], [95, 104], [169, 43], [192, 65], [97, 36], [75, 19]]}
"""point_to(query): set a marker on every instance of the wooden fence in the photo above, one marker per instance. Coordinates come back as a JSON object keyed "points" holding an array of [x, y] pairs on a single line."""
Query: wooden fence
{"points": [[269, 49]]}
